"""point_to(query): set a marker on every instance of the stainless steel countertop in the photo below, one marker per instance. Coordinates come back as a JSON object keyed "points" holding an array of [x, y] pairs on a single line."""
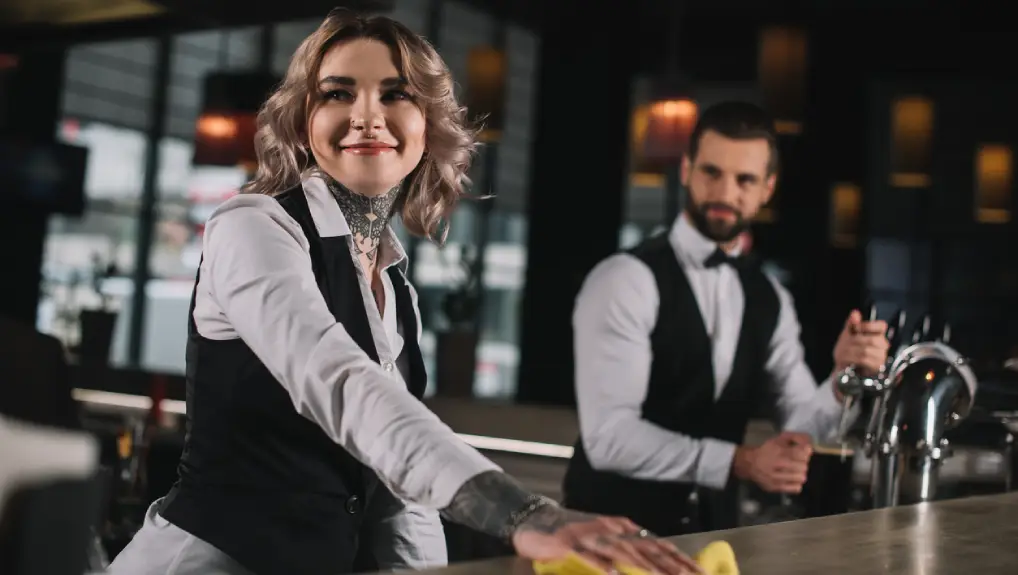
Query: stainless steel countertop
{"points": [[978, 534]]}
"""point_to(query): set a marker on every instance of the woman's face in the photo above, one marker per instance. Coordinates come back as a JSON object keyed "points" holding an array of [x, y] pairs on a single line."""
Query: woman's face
{"points": [[366, 132]]}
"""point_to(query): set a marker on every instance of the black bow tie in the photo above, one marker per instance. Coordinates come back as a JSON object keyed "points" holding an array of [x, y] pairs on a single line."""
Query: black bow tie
{"points": [[720, 257]]}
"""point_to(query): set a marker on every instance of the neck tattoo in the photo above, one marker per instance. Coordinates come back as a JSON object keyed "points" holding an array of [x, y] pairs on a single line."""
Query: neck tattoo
{"points": [[366, 216]]}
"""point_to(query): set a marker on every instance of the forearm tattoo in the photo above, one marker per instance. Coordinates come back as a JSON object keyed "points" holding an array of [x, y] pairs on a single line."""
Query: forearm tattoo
{"points": [[492, 503]]}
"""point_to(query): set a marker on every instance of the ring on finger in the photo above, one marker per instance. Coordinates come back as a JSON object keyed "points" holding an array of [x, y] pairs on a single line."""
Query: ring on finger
{"points": [[641, 534]]}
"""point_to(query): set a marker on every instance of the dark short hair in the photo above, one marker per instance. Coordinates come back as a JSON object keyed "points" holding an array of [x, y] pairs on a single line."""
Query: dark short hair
{"points": [[738, 121]]}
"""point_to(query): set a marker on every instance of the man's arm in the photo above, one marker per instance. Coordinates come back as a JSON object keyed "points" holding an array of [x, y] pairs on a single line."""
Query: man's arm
{"points": [[614, 315], [800, 405]]}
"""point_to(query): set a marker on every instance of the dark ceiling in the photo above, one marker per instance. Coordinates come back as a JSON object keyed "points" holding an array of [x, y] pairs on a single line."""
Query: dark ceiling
{"points": [[717, 42], [30, 23], [76, 12]]}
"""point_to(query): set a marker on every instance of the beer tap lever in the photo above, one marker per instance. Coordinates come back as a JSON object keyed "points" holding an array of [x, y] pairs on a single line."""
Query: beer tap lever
{"points": [[854, 387]]}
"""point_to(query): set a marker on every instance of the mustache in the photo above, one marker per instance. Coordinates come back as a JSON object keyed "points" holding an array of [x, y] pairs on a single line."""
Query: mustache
{"points": [[706, 206]]}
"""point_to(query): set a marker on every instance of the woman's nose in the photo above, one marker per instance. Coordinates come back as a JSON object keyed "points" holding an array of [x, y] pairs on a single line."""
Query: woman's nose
{"points": [[366, 115]]}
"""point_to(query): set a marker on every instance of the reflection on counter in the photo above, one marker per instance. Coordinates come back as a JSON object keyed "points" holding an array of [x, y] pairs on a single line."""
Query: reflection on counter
{"points": [[941, 538]]}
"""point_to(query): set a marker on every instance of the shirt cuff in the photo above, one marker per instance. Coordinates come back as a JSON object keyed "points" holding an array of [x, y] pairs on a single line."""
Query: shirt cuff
{"points": [[454, 472], [715, 463], [827, 401]]}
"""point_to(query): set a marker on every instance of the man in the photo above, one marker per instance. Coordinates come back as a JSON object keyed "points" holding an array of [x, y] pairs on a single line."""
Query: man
{"points": [[679, 341]]}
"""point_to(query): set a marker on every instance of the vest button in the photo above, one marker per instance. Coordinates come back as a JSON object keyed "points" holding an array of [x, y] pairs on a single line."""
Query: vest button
{"points": [[387, 365], [353, 505]]}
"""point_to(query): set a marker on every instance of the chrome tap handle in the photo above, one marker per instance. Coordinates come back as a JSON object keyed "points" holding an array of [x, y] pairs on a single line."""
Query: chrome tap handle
{"points": [[855, 388], [843, 425], [896, 332], [945, 334], [922, 329], [872, 316], [877, 381], [850, 384]]}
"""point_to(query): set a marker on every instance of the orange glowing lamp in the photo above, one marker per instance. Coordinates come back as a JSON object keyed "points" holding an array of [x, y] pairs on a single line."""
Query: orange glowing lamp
{"points": [[669, 127], [225, 131]]}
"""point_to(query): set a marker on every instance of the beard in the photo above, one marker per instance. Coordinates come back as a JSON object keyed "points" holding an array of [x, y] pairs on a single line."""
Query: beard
{"points": [[717, 230]]}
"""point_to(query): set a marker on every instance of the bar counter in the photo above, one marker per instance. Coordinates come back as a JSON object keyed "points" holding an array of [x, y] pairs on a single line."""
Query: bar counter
{"points": [[977, 535]]}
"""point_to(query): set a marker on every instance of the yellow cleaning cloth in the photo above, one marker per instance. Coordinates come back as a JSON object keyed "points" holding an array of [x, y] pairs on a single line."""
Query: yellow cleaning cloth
{"points": [[717, 558]]}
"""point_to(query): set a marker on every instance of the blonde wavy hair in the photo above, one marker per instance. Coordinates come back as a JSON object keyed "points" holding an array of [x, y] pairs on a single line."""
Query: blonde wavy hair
{"points": [[432, 189]]}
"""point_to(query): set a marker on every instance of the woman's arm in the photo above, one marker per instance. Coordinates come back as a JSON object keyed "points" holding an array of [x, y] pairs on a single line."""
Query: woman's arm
{"points": [[260, 276], [402, 535]]}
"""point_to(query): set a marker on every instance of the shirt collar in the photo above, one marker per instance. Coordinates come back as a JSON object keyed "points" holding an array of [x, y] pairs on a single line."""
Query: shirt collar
{"points": [[330, 222], [692, 247]]}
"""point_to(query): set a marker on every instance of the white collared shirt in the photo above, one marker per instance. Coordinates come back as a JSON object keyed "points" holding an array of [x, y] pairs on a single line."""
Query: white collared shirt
{"points": [[257, 284], [615, 313]]}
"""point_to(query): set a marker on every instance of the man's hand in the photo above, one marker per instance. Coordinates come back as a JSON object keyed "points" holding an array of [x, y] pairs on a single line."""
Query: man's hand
{"points": [[553, 533], [862, 344], [777, 466]]}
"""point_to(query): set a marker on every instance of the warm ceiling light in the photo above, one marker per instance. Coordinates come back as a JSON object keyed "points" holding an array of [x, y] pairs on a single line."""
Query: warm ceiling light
{"points": [[781, 70], [994, 181], [669, 127], [225, 131], [674, 110], [218, 127], [846, 209], [911, 141]]}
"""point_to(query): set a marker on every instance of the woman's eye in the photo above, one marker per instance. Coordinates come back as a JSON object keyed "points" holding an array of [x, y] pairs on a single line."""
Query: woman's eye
{"points": [[397, 95], [341, 95]]}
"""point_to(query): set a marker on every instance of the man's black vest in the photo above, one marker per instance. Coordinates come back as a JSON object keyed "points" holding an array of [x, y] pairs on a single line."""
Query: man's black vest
{"points": [[257, 480], [680, 398]]}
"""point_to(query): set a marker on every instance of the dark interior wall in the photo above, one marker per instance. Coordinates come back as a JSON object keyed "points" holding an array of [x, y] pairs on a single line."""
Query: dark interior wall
{"points": [[30, 111], [928, 239], [927, 253], [579, 166]]}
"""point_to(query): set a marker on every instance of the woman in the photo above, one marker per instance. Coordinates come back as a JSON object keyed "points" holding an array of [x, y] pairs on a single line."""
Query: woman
{"points": [[306, 435]]}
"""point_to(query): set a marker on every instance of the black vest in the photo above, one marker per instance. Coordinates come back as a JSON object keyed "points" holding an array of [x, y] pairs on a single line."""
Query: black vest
{"points": [[257, 480], [680, 398]]}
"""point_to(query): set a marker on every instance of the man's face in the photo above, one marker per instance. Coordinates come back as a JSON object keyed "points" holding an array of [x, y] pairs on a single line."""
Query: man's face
{"points": [[727, 183]]}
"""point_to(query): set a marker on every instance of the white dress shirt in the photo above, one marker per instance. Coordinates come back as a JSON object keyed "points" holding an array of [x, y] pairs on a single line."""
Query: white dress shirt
{"points": [[257, 284], [615, 313]]}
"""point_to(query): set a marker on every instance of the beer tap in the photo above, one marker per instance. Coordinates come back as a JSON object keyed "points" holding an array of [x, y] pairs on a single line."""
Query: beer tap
{"points": [[855, 388], [896, 334], [925, 389], [896, 342]]}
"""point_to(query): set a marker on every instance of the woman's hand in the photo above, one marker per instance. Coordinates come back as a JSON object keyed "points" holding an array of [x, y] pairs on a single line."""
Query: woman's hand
{"points": [[553, 532], [541, 530]]}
